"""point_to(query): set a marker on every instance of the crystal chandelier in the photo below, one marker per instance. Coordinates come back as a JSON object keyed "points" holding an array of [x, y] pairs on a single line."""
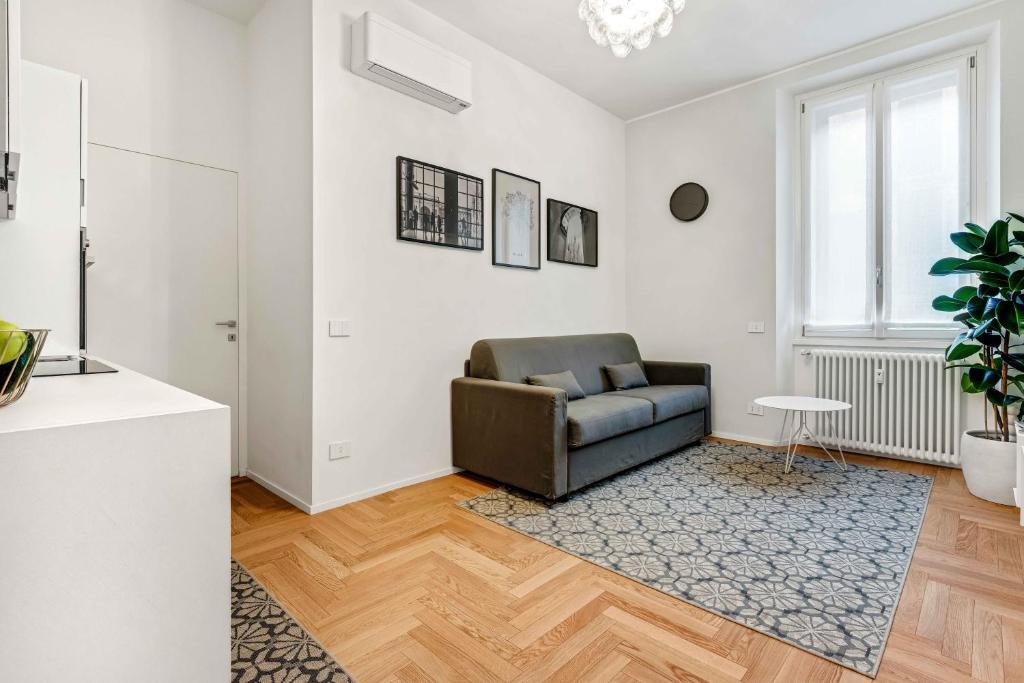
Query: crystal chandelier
{"points": [[628, 24]]}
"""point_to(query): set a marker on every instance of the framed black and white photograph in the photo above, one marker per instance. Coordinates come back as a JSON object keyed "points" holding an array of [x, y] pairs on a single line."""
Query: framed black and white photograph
{"points": [[515, 220], [439, 206], [572, 234]]}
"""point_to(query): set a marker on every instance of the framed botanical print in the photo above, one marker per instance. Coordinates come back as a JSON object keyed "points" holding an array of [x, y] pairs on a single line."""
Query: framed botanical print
{"points": [[572, 234], [439, 206], [515, 220]]}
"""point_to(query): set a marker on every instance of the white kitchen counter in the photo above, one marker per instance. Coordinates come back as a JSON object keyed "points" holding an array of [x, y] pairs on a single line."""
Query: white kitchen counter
{"points": [[84, 399], [114, 532]]}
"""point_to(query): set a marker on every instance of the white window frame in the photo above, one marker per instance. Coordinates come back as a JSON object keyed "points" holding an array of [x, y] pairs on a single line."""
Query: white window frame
{"points": [[972, 60]]}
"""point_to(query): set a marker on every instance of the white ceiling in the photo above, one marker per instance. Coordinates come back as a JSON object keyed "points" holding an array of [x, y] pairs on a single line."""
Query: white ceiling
{"points": [[239, 10], [715, 43]]}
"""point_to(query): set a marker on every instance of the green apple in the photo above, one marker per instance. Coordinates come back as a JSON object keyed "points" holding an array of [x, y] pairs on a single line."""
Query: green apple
{"points": [[12, 342]]}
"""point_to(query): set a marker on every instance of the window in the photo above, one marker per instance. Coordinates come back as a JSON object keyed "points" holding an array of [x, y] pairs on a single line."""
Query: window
{"points": [[887, 173]]}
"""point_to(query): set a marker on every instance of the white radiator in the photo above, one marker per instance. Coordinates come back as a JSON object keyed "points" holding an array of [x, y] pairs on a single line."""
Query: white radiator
{"points": [[905, 405]]}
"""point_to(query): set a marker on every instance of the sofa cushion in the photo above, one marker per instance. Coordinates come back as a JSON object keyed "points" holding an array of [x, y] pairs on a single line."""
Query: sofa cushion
{"points": [[600, 417], [670, 400], [566, 381], [626, 376]]}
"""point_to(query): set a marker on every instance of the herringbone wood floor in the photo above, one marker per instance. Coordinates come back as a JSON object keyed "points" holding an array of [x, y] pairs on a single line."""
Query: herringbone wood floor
{"points": [[406, 586]]}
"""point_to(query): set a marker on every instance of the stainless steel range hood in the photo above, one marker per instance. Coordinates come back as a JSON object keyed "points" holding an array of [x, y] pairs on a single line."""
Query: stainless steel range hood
{"points": [[10, 91]]}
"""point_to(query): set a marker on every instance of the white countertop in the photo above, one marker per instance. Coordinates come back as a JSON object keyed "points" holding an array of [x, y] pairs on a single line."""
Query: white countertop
{"points": [[83, 399]]}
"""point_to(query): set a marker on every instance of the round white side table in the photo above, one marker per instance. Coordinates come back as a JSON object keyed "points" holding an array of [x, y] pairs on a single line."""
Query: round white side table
{"points": [[796, 409]]}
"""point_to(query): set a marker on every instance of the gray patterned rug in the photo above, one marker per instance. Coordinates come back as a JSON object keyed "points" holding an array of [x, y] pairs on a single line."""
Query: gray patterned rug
{"points": [[816, 557], [267, 645]]}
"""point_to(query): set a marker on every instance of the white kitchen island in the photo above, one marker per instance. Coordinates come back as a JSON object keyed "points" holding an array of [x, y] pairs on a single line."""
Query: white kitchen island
{"points": [[114, 532]]}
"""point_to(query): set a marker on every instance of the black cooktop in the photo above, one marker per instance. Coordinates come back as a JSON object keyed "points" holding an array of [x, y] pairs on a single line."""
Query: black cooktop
{"points": [[60, 367]]}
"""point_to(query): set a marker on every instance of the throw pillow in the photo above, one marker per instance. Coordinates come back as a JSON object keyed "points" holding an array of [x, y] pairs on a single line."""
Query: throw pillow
{"points": [[626, 376], [561, 380]]}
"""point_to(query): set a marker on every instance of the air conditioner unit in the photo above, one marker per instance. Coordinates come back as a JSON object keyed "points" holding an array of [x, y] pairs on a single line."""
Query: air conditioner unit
{"points": [[393, 56]]}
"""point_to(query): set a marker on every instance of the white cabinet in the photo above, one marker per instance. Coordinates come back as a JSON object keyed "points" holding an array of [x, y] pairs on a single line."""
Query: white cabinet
{"points": [[115, 532], [10, 104], [40, 249]]}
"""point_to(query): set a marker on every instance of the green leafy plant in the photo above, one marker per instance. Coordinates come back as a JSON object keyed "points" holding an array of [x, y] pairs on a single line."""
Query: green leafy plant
{"points": [[993, 313]]}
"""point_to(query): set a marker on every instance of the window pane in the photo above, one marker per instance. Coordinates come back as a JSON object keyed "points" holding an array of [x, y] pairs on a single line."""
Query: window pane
{"points": [[838, 211], [927, 193]]}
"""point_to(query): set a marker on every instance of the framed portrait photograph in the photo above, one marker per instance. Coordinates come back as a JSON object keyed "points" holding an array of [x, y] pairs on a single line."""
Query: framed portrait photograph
{"points": [[515, 220], [439, 206], [572, 234]]}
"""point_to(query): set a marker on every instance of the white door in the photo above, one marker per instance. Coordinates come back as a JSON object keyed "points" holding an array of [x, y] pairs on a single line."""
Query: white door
{"points": [[164, 236]]}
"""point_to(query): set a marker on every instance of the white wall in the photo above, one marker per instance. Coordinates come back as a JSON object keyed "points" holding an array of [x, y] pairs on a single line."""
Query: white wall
{"points": [[691, 288], [165, 77], [278, 260], [417, 309]]}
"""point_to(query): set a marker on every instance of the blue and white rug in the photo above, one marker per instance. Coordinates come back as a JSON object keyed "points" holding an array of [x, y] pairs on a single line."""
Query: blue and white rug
{"points": [[816, 558]]}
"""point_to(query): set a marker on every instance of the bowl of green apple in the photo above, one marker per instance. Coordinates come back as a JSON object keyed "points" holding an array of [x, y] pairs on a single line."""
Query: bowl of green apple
{"points": [[19, 351]]}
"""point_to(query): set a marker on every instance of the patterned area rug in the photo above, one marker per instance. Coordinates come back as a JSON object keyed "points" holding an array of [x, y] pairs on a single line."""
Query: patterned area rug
{"points": [[267, 645], [816, 557]]}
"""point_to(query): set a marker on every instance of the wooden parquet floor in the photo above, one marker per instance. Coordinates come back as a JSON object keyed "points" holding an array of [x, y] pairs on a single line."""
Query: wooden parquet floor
{"points": [[406, 586]]}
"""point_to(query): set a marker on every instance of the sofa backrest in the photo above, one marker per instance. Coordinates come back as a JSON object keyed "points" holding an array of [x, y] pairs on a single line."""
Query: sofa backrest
{"points": [[513, 360]]}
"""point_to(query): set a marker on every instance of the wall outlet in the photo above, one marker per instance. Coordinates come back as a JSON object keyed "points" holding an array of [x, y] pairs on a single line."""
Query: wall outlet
{"points": [[756, 327], [339, 450], [339, 328], [754, 409]]}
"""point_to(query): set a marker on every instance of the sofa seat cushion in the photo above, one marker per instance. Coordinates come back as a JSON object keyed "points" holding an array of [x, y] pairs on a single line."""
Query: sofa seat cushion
{"points": [[602, 416], [670, 400]]}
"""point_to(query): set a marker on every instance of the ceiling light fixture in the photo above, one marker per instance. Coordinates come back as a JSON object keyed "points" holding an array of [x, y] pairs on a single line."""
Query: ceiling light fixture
{"points": [[627, 24]]}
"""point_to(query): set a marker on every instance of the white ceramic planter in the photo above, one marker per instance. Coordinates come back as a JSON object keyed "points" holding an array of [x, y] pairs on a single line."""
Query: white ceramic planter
{"points": [[990, 466]]}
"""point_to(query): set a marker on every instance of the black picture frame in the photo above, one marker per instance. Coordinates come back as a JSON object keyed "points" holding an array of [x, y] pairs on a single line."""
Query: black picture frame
{"points": [[496, 174], [590, 234], [450, 210]]}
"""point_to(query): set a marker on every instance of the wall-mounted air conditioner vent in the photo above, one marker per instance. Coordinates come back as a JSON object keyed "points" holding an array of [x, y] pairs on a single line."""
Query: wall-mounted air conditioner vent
{"points": [[393, 56], [421, 88]]}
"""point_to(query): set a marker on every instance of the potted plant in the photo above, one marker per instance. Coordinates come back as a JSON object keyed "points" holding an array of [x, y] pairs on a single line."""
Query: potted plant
{"points": [[992, 311]]}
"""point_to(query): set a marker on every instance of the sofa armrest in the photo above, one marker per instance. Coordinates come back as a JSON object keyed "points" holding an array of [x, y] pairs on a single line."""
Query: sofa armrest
{"points": [[663, 372], [513, 433]]}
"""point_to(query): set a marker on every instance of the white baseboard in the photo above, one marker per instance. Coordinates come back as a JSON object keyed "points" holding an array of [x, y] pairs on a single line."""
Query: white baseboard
{"points": [[368, 493], [280, 491], [748, 439], [312, 509]]}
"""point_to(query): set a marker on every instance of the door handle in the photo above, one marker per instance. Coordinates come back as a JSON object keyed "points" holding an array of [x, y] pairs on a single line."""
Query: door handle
{"points": [[228, 323]]}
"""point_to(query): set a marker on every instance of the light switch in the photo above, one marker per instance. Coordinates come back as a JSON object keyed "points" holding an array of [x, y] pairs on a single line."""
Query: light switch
{"points": [[755, 327], [339, 328]]}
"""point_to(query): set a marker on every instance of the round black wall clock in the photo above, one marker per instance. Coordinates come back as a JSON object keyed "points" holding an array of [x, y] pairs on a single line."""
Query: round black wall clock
{"points": [[689, 202]]}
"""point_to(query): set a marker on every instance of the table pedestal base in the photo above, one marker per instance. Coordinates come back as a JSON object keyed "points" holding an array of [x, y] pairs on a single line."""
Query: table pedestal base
{"points": [[798, 428]]}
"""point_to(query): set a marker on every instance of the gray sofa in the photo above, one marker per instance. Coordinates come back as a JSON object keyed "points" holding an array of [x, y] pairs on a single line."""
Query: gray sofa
{"points": [[535, 439]]}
